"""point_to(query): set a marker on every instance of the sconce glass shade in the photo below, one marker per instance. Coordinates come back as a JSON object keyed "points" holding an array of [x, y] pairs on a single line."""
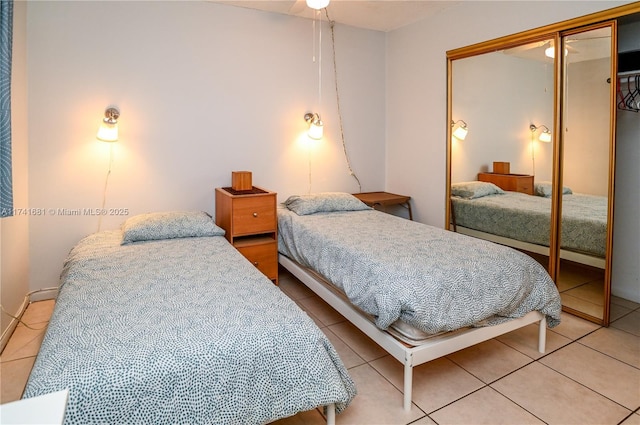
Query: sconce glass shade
{"points": [[316, 126], [317, 4], [316, 130], [461, 131], [545, 136], [108, 131]]}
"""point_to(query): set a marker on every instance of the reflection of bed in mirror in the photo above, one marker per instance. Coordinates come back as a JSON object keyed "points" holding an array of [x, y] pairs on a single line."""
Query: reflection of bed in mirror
{"points": [[523, 221]]}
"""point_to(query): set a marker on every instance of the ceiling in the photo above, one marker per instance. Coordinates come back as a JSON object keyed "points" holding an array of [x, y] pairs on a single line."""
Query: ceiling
{"points": [[379, 15]]}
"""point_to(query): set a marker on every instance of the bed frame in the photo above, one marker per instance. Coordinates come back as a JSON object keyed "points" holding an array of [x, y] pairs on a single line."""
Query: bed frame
{"points": [[411, 356], [577, 257]]}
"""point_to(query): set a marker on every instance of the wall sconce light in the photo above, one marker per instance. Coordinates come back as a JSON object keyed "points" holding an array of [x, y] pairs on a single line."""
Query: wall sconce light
{"points": [[461, 131], [317, 4], [108, 131], [316, 127], [545, 135]]}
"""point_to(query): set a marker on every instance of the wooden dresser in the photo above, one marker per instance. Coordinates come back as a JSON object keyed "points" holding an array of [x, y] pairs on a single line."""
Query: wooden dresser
{"points": [[250, 223], [512, 182]]}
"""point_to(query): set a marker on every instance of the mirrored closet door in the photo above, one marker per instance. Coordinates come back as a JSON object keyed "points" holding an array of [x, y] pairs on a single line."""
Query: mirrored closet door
{"points": [[499, 95], [586, 169], [531, 149]]}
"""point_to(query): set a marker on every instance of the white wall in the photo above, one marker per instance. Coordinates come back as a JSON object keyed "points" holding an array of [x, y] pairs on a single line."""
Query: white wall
{"points": [[417, 83], [14, 254], [203, 89]]}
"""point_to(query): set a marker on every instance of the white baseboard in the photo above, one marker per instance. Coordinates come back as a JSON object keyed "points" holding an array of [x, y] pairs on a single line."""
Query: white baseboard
{"points": [[44, 294]]}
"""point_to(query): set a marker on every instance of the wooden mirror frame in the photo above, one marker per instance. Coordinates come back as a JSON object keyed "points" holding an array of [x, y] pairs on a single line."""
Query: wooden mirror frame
{"points": [[556, 32]]}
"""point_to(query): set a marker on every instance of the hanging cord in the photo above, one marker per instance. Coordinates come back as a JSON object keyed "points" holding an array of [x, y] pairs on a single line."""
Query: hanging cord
{"points": [[106, 182], [309, 159], [533, 158], [319, 60], [335, 74], [314, 56], [19, 319]]}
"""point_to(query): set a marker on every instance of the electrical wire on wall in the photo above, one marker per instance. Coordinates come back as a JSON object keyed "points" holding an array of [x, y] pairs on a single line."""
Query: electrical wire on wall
{"points": [[309, 159], [27, 297], [335, 74], [106, 183], [533, 157]]}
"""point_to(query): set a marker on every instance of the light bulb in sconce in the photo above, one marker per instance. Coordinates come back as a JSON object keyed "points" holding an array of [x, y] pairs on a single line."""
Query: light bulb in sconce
{"points": [[461, 131], [317, 4], [316, 126], [545, 135], [550, 52], [108, 131]]}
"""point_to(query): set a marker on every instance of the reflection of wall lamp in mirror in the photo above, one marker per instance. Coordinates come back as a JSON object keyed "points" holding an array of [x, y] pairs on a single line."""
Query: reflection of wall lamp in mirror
{"points": [[545, 135], [315, 125], [108, 131], [461, 131]]}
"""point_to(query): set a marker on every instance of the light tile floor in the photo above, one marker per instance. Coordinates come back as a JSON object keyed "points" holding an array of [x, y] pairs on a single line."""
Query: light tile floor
{"points": [[589, 375]]}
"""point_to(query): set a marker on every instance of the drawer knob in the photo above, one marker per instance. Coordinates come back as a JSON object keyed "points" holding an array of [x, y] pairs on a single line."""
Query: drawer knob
{"points": [[255, 263], [255, 214]]}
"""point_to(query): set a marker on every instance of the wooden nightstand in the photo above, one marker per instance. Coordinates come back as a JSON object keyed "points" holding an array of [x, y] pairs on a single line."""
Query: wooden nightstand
{"points": [[512, 182], [250, 223], [384, 199]]}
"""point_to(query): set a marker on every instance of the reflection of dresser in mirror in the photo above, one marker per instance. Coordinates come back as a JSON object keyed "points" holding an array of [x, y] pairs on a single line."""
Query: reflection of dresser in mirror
{"points": [[522, 183]]}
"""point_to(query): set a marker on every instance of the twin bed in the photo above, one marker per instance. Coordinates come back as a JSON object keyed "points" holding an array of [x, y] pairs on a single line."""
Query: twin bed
{"points": [[418, 291], [163, 321]]}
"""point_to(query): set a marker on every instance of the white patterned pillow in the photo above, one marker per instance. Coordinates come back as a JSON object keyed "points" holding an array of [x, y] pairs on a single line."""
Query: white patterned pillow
{"points": [[473, 190], [168, 225], [324, 202], [545, 189]]}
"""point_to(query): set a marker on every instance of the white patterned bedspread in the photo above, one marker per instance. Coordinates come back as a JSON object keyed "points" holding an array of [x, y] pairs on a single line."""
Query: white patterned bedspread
{"points": [[433, 279], [180, 331], [528, 218]]}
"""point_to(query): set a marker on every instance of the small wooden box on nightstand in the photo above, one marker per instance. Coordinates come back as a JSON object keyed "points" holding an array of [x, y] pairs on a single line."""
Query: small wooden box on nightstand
{"points": [[250, 223]]}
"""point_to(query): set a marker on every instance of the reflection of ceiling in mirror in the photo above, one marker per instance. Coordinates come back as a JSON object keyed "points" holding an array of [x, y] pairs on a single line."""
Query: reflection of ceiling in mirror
{"points": [[533, 51], [589, 45]]}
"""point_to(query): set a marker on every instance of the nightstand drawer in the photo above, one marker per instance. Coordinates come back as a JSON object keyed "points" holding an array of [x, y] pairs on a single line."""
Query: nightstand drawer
{"points": [[254, 215], [263, 256]]}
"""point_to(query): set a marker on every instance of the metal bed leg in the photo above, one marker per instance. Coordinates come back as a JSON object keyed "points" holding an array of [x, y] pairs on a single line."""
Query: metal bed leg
{"points": [[408, 384], [331, 414], [542, 335]]}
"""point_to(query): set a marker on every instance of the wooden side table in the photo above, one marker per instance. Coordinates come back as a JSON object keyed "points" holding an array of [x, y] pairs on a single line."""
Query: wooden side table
{"points": [[385, 199], [249, 220]]}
